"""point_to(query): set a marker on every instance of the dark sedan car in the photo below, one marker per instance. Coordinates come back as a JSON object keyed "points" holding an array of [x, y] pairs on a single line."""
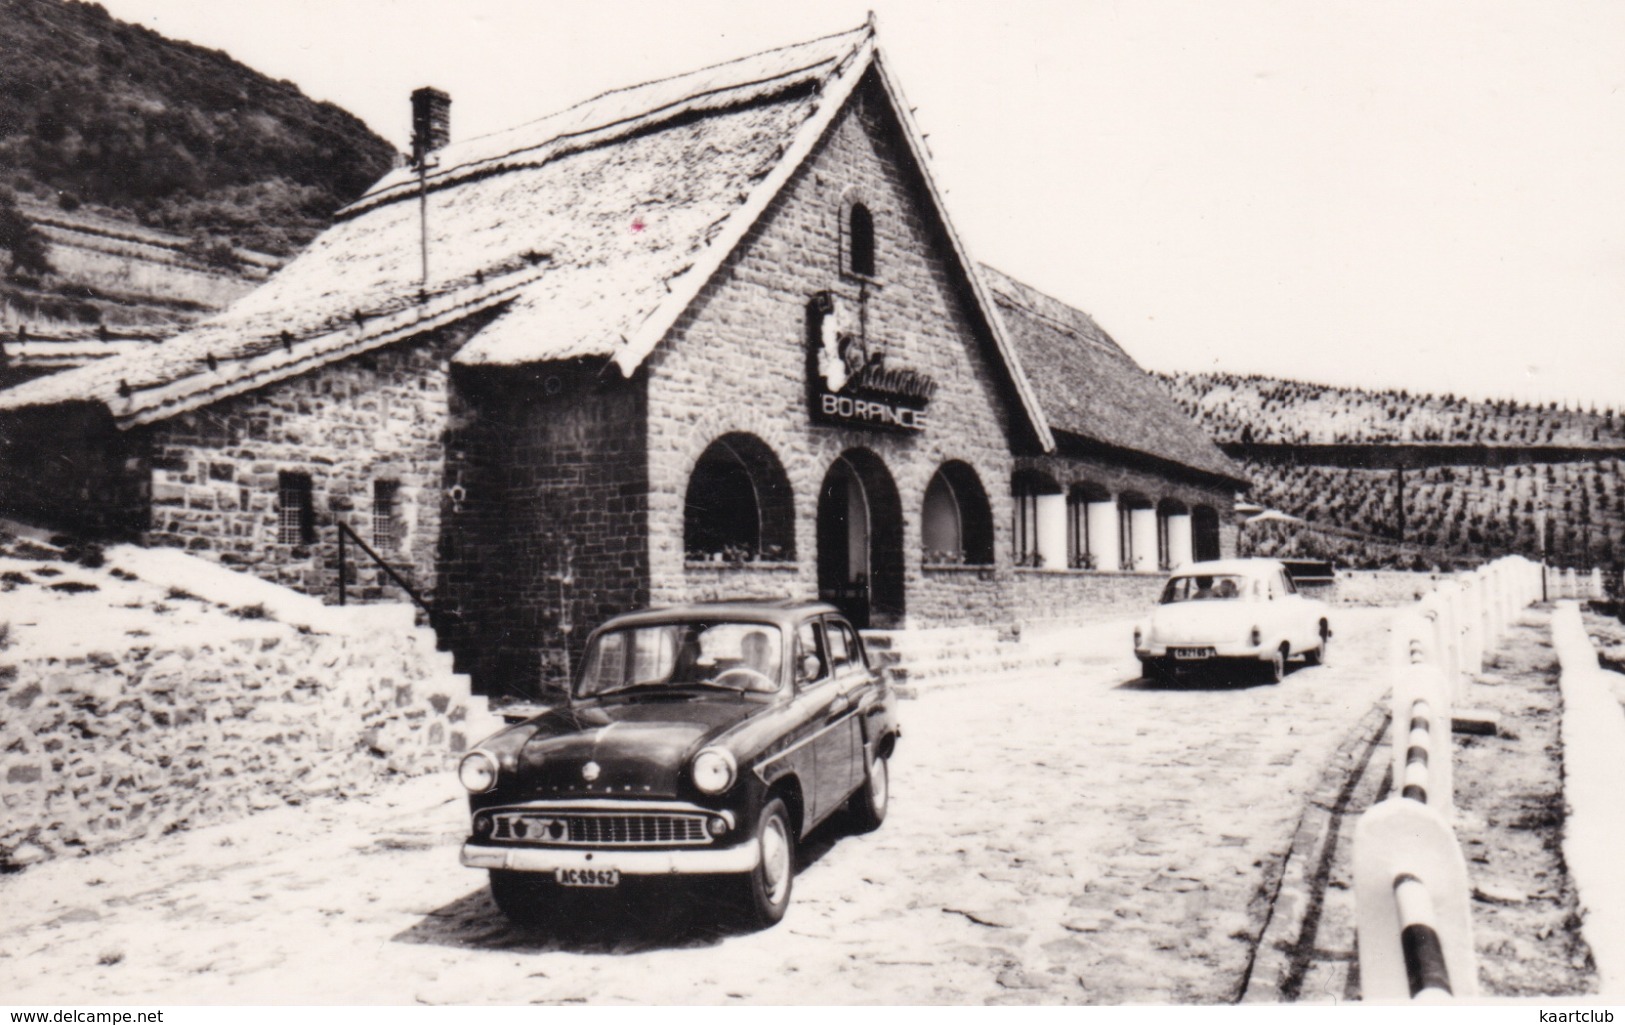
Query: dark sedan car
{"points": [[703, 740]]}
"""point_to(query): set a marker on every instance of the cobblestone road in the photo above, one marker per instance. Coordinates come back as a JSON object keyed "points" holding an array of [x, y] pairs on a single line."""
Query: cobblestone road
{"points": [[1077, 836]]}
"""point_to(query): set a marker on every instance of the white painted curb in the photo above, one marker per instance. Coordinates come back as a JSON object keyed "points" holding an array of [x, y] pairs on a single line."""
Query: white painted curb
{"points": [[1594, 788]]}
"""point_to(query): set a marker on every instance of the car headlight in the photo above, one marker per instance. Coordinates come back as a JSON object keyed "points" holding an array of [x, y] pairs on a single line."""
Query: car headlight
{"points": [[477, 772], [714, 770], [1139, 637], [1256, 637]]}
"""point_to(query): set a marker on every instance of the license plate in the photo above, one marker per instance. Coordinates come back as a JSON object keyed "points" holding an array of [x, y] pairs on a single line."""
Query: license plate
{"points": [[1193, 652], [598, 877]]}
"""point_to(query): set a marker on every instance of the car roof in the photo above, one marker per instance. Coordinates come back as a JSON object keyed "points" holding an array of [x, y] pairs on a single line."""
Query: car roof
{"points": [[780, 611], [1233, 567]]}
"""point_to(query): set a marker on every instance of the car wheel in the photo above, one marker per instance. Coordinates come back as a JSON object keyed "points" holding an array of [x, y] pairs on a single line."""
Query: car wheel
{"points": [[767, 886], [1316, 656], [1275, 668], [523, 897], [1155, 670], [870, 802]]}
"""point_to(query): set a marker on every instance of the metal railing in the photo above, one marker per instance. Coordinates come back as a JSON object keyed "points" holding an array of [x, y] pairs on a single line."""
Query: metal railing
{"points": [[345, 532]]}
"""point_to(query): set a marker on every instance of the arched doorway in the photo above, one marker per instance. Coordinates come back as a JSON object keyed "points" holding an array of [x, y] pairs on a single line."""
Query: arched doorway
{"points": [[860, 540]]}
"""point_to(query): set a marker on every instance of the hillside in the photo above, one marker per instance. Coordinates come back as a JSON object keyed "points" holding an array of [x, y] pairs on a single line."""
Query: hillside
{"points": [[1250, 408], [94, 111], [1460, 507]]}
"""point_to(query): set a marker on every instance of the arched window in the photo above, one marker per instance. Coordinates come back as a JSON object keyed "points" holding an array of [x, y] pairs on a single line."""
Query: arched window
{"points": [[1040, 519], [956, 522], [860, 241], [738, 507]]}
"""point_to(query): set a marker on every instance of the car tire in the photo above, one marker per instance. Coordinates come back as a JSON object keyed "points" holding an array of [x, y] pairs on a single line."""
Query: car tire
{"points": [[1275, 668], [766, 888], [1316, 656], [871, 800], [1155, 670], [523, 897]]}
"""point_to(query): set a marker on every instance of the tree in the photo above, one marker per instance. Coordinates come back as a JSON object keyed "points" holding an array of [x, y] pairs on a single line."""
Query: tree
{"points": [[18, 234]]}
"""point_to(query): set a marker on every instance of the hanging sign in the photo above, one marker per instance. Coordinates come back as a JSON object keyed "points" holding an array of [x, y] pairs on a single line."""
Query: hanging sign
{"points": [[851, 384]]}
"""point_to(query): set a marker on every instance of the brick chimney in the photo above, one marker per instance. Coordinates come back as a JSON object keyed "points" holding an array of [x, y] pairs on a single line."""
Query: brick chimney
{"points": [[431, 122]]}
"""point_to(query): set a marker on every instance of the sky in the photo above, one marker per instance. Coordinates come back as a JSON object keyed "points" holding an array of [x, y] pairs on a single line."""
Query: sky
{"points": [[1416, 194]]}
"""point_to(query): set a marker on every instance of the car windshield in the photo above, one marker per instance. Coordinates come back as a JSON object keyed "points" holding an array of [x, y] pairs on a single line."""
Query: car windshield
{"points": [[735, 656], [1210, 587]]}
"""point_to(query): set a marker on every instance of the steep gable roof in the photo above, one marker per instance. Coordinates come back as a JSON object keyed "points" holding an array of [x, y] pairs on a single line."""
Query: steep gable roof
{"points": [[1093, 390], [590, 231]]}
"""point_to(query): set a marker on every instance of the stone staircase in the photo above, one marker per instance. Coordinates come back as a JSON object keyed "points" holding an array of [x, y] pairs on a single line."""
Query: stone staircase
{"points": [[933, 659], [400, 620]]}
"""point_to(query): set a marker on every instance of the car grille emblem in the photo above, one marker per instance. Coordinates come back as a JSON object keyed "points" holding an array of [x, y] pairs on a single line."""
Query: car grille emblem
{"points": [[589, 772]]}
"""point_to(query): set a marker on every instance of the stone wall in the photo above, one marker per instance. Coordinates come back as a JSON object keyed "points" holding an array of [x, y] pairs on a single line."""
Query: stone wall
{"points": [[738, 361], [1380, 587], [69, 468], [549, 537], [379, 416], [1058, 596], [123, 744]]}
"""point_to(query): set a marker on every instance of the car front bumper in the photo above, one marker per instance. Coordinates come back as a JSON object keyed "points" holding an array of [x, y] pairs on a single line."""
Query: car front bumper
{"points": [[686, 861]]}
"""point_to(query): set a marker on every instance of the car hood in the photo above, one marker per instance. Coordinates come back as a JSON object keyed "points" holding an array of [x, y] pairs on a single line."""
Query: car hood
{"points": [[639, 748], [1203, 622]]}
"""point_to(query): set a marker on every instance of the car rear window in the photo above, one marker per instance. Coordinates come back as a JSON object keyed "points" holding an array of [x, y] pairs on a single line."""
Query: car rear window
{"points": [[1215, 587]]}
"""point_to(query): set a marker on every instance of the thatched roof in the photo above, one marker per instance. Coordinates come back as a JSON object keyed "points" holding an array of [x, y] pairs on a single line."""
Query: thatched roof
{"points": [[589, 232], [577, 224], [1091, 389]]}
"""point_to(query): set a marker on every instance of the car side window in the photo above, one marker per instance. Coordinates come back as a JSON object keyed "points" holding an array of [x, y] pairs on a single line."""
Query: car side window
{"points": [[1287, 586], [860, 655], [808, 643], [840, 655], [850, 650]]}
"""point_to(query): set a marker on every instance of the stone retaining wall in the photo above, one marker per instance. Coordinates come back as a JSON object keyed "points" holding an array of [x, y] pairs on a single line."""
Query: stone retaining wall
{"points": [[1384, 587], [119, 745], [1045, 596]]}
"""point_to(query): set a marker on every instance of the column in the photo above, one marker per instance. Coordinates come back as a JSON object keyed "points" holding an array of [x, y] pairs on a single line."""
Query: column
{"points": [[1103, 535], [1180, 550], [1143, 527], [1052, 530]]}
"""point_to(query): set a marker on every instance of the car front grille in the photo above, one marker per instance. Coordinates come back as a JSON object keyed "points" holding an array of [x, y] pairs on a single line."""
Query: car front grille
{"points": [[601, 829]]}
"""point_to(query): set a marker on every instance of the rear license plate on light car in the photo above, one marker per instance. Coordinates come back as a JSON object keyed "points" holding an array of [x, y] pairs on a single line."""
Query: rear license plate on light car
{"points": [[1193, 652], [599, 877]]}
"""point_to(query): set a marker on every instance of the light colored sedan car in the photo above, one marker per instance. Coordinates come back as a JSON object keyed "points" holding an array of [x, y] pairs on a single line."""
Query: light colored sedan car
{"points": [[1239, 611]]}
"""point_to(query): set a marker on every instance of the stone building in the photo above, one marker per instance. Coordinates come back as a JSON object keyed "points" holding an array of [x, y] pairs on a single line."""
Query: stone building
{"points": [[711, 335]]}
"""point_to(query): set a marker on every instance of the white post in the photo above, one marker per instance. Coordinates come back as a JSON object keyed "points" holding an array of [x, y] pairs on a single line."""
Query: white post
{"points": [[1473, 624], [1103, 535], [1398, 845], [1052, 530], [1143, 528], [1179, 540]]}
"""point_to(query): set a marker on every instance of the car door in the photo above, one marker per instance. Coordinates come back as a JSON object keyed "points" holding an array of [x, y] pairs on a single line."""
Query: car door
{"points": [[832, 747], [817, 750], [852, 677]]}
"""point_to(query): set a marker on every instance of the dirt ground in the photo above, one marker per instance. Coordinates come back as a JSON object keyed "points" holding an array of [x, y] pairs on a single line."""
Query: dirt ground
{"points": [[1510, 812]]}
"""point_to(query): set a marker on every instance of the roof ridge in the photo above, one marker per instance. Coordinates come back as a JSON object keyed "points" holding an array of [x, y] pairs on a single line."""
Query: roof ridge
{"points": [[657, 110], [867, 26]]}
